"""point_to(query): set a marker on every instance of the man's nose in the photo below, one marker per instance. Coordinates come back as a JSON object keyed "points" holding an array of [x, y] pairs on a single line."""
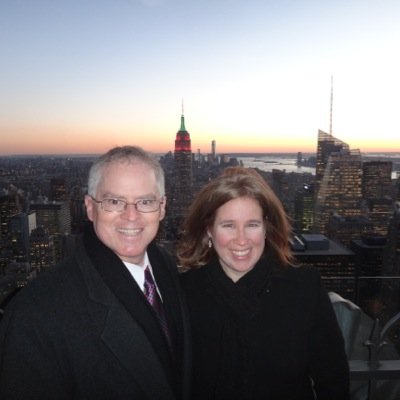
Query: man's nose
{"points": [[130, 211]]}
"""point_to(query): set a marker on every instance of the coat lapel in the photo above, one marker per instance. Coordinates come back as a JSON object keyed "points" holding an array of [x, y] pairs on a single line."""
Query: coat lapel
{"points": [[124, 334], [129, 343], [166, 275]]}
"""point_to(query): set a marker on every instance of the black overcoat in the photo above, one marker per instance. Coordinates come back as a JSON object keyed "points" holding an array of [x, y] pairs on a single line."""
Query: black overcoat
{"points": [[271, 335], [85, 331]]}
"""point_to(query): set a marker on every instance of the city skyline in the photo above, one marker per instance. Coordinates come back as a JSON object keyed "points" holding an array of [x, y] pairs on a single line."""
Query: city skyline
{"points": [[255, 76]]}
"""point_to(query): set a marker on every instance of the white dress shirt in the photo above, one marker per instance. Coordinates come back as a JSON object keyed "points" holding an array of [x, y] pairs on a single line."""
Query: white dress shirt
{"points": [[137, 272]]}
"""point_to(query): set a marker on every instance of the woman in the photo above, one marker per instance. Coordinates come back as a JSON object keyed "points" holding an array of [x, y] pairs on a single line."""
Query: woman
{"points": [[262, 327]]}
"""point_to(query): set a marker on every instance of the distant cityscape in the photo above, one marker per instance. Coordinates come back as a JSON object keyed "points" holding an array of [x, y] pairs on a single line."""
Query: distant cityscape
{"points": [[344, 207]]}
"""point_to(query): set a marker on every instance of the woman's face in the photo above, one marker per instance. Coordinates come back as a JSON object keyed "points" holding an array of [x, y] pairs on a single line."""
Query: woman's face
{"points": [[238, 236]]}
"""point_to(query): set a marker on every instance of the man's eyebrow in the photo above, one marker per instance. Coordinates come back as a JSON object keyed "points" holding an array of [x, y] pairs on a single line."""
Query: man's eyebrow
{"points": [[149, 196]]}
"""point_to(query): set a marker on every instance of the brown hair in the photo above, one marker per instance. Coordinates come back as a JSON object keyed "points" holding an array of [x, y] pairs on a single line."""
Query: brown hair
{"points": [[193, 250]]}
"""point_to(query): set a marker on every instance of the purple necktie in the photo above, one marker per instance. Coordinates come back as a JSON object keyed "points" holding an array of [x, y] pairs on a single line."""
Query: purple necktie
{"points": [[152, 296]]}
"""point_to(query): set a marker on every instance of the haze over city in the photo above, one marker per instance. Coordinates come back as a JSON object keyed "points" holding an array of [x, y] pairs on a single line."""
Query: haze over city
{"points": [[254, 75]]}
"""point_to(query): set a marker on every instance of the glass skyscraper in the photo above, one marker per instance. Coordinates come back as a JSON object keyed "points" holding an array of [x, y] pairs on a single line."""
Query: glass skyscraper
{"points": [[338, 181]]}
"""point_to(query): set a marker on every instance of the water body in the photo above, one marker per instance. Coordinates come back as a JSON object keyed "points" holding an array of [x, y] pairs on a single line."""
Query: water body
{"points": [[268, 163], [289, 164]]}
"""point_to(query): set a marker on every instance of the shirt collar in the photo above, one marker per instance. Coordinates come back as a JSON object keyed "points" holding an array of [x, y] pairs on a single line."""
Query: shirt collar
{"points": [[137, 271]]}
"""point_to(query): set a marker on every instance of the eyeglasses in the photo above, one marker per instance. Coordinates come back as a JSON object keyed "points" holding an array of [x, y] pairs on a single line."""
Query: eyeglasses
{"points": [[119, 205]]}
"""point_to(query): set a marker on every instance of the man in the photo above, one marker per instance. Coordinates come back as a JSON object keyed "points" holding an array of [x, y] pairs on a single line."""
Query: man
{"points": [[86, 330]]}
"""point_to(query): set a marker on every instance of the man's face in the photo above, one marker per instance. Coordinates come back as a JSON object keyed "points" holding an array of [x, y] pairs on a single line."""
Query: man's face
{"points": [[127, 233]]}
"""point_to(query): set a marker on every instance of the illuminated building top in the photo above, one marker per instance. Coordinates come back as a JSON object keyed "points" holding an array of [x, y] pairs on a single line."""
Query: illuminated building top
{"points": [[182, 140]]}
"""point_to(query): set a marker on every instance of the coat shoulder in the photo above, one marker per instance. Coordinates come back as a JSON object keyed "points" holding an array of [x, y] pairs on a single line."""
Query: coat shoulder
{"points": [[305, 274]]}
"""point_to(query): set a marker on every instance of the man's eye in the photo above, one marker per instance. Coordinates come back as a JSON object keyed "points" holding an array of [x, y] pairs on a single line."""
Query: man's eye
{"points": [[147, 202], [113, 202]]}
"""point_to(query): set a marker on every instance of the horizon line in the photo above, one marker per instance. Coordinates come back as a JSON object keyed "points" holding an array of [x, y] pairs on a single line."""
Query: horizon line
{"points": [[193, 152]]}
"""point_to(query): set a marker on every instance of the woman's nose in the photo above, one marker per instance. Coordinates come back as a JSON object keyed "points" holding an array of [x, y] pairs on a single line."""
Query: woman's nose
{"points": [[241, 236]]}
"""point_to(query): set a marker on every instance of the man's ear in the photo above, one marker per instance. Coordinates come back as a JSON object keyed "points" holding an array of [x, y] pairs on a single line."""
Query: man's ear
{"points": [[163, 208], [89, 207]]}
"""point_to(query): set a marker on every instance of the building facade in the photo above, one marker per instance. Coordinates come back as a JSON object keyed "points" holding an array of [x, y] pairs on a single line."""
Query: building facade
{"points": [[338, 181], [182, 191]]}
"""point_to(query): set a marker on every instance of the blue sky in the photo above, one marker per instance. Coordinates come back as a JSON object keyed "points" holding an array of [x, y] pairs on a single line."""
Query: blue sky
{"points": [[81, 76]]}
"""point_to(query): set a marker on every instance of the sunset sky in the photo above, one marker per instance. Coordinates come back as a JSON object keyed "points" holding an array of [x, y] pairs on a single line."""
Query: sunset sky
{"points": [[81, 76]]}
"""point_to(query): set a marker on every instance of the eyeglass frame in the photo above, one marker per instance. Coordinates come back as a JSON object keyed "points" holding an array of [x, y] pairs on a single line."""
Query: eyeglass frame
{"points": [[126, 204]]}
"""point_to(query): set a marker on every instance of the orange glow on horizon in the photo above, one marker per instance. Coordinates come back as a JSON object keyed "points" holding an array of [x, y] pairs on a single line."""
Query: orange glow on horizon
{"points": [[97, 140], [102, 147]]}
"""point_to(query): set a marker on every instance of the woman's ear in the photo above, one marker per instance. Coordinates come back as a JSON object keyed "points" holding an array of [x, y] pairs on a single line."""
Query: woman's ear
{"points": [[209, 238]]}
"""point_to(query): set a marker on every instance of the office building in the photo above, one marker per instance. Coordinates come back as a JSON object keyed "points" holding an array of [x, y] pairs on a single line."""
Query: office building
{"points": [[379, 212], [58, 189], [56, 217], [377, 193], [42, 251], [345, 229], [304, 209], [377, 179], [335, 262], [11, 203], [369, 250], [21, 225], [338, 181]]}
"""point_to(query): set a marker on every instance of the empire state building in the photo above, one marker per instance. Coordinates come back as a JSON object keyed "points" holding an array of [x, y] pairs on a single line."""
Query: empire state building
{"points": [[182, 193]]}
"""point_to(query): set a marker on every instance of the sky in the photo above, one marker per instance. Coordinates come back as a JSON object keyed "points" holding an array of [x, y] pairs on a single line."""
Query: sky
{"points": [[82, 76]]}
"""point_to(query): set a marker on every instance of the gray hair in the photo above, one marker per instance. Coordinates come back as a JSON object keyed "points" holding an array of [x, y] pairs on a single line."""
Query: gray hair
{"points": [[129, 154]]}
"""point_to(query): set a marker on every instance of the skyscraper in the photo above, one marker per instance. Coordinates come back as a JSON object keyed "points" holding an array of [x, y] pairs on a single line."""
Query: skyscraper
{"points": [[42, 252], [391, 265], [303, 209], [346, 229], [56, 217], [182, 192], [338, 181], [58, 189], [213, 150], [380, 212], [11, 203], [377, 179], [368, 252], [327, 144], [377, 193], [21, 225]]}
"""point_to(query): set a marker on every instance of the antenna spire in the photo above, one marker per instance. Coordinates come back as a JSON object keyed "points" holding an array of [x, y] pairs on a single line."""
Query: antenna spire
{"points": [[331, 109], [183, 129]]}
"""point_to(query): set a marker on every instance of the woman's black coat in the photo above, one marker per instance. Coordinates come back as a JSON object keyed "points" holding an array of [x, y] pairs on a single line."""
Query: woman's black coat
{"points": [[271, 335]]}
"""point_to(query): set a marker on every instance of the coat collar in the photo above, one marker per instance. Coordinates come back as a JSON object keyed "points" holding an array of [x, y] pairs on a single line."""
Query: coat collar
{"points": [[244, 295], [127, 322]]}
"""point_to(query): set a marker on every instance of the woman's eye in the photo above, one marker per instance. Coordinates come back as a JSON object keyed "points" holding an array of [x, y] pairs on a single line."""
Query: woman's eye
{"points": [[227, 225]]}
